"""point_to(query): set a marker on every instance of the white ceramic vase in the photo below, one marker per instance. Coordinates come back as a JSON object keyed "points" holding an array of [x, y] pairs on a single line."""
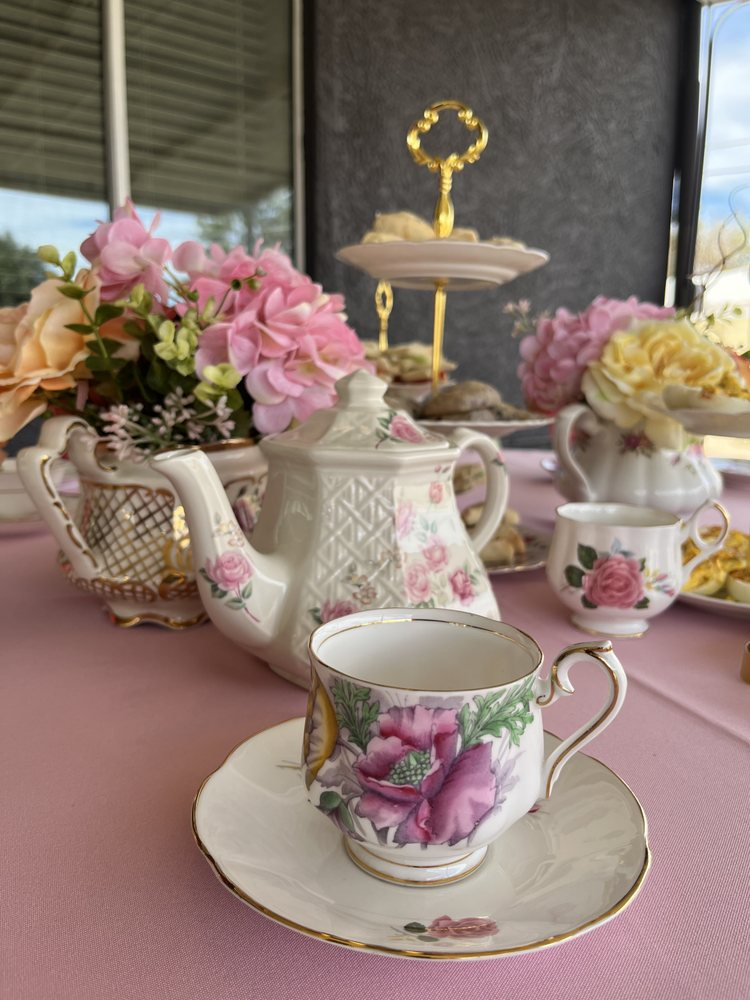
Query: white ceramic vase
{"points": [[127, 540]]}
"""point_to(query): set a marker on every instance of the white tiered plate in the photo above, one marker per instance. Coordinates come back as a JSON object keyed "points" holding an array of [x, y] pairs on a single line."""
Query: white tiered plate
{"points": [[463, 266], [575, 863], [492, 428]]}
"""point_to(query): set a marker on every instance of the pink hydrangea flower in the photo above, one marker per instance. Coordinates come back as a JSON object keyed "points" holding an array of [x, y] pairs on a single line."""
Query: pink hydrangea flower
{"points": [[416, 781], [555, 357], [127, 254], [614, 581]]}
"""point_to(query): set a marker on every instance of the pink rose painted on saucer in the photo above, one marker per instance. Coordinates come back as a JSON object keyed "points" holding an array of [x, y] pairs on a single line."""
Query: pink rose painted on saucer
{"points": [[615, 579], [444, 928]]}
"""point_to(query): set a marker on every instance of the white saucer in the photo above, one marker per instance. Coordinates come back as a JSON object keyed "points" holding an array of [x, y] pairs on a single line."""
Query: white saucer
{"points": [[535, 556], [735, 471], [562, 870], [461, 266], [717, 605], [492, 428]]}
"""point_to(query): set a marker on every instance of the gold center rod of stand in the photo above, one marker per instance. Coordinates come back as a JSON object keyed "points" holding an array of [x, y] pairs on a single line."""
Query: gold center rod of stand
{"points": [[443, 219]]}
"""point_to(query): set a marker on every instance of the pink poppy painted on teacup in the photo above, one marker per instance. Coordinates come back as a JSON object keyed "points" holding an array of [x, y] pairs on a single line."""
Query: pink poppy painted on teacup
{"points": [[617, 565], [423, 738]]}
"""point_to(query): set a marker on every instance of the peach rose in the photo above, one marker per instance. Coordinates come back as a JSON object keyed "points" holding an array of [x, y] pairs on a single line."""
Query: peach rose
{"points": [[38, 352]]}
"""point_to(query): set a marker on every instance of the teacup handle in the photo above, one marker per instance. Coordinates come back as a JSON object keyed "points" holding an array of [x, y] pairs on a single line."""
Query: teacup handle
{"points": [[705, 549], [558, 685], [496, 499]]}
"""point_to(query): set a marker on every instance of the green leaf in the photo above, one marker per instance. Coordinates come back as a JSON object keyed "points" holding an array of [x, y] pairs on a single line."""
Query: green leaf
{"points": [[415, 927], [68, 264], [97, 364], [587, 556], [574, 575], [247, 591], [48, 254], [71, 291], [345, 816], [586, 602], [330, 801], [235, 603], [107, 311], [642, 565], [643, 603], [426, 937], [84, 328]]}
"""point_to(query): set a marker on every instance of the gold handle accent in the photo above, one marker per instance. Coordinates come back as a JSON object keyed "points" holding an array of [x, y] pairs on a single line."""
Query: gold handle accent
{"points": [[443, 218], [444, 214], [383, 306], [559, 684]]}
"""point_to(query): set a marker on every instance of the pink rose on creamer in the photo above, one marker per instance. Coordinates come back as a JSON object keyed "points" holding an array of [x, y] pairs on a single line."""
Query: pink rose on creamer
{"points": [[229, 571], [614, 581], [417, 582], [462, 586], [467, 927], [435, 555], [331, 610], [403, 429]]}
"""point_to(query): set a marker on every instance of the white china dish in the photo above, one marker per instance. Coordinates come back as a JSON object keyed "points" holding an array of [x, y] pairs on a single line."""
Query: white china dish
{"points": [[535, 556], [542, 883], [715, 605], [734, 471], [492, 428], [461, 266]]}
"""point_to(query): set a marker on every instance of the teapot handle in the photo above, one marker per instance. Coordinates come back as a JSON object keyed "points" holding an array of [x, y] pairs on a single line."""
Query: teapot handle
{"points": [[497, 483], [34, 470], [705, 549], [562, 434]]}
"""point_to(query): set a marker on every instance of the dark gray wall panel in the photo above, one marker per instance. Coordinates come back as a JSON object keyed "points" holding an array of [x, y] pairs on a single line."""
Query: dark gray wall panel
{"points": [[580, 100]]}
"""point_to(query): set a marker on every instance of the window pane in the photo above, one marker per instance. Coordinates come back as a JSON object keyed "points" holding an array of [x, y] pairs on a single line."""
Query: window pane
{"points": [[52, 171], [209, 108], [722, 259]]}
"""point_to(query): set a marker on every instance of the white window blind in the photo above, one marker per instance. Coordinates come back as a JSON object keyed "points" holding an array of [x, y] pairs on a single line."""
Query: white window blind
{"points": [[51, 117], [209, 102]]}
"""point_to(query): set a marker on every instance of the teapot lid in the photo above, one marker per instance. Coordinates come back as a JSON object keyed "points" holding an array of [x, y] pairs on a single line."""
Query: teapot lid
{"points": [[360, 421]]}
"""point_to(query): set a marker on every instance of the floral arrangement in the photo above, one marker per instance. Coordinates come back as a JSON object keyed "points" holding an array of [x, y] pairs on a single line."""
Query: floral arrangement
{"points": [[621, 357], [158, 347]]}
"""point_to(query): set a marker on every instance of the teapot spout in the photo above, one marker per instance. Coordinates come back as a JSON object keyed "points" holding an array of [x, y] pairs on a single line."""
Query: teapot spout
{"points": [[243, 590]]}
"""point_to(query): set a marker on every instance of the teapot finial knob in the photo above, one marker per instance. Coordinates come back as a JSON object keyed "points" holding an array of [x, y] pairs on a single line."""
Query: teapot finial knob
{"points": [[361, 390]]}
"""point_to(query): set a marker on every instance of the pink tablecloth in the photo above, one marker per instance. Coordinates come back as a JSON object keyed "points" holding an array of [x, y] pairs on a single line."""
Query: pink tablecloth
{"points": [[106, 735]]}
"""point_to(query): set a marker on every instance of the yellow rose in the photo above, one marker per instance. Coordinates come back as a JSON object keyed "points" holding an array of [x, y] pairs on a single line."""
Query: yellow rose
{"points": [[37, 352], [626, 384]]}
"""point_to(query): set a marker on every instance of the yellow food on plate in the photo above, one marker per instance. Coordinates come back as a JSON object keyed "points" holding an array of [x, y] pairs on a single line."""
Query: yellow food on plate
{"points": [[407, 363], [710, 577], [508, 546], [388, 227]]}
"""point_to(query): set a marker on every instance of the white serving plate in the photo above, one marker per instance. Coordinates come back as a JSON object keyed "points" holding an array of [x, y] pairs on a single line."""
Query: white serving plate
{"points": [[462, 266]]}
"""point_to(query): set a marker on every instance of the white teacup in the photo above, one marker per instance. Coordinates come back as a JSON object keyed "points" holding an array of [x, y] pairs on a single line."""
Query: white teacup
{"points": [[616, 565], [423, 738]]}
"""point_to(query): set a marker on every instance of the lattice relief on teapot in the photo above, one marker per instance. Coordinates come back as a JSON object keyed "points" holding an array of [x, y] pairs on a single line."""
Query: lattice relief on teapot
{"points": [[390, 543]]}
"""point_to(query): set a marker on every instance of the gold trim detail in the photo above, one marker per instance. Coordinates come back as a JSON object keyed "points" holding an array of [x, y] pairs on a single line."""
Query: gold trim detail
{"points": [[148, 616], [595, 653], [439, 621], [412, 882], [621, 904], [70, 527]]}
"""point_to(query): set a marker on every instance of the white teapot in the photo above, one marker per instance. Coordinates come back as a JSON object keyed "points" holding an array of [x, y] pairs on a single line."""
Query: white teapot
{"points": [[359, 513]]}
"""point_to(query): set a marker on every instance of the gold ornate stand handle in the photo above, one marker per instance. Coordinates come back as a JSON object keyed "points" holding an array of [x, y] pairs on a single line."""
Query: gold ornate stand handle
{"points": [[383, 306], [559, 686], [443, 218]]}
